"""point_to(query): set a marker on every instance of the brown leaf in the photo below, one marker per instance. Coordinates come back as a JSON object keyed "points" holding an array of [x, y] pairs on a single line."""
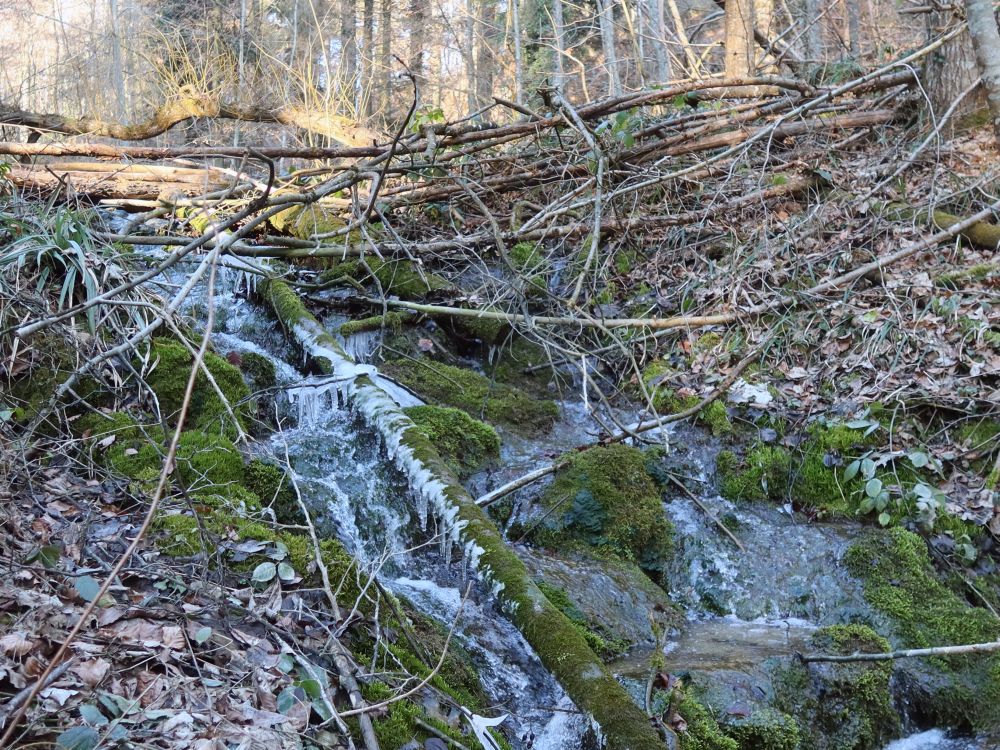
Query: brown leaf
{"points": [[15, 644], [92, 672], [173, 637]]}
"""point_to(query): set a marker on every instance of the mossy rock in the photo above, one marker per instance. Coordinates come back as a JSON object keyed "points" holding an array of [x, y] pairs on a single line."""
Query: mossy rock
{"points": [[606, 498], [169, 376], [701, 731], [259, 370], [764, 729], [763, 474], [899, 582], [466, 444], [271, 484], [811, 476], [474, 394], [666, 401], [841, 706]]}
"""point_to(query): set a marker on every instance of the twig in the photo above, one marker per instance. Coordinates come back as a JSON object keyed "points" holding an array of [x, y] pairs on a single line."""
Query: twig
{"points": [[910, 653]]}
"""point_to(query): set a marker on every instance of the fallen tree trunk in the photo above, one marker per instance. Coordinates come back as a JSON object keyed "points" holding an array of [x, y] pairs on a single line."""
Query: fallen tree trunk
{"points": [[189, 105], [98, 181], [560, 646], [982, 234]]}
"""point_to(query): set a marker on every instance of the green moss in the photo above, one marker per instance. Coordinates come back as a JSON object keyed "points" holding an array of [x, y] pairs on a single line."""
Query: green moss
{"points": [[654, 377], [979, 435], [606, 498], [762, 475], [466, 444], [403, 278], [178, 535], [765, 729], [398, 727], [169, 376], [702, 731], [100, 425], [259, 370], [393, 321], [272, 485], [474, 394], [899, 582], [716, 419], [841, 706], [605, 647]]}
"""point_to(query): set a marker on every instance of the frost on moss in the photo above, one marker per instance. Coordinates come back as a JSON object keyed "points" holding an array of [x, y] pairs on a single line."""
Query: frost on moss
{"points": [[899, 582], [168, 378], [841, 706], [474, 394], [466, 444], [402, 278], [606, 498], [258, 369]]}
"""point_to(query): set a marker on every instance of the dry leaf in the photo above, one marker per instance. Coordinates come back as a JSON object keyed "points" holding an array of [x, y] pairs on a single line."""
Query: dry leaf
{"points": [[92, 672], [15, 644]]}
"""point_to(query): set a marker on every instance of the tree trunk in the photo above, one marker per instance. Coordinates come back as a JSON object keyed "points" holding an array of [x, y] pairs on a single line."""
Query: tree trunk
{"points": [[605, 10], [367, 96], [486, 20], [515, 16], [559, 32], [986, 42], [815, 48], [763, 21], [385, 55], [657, 40], [951, 69], [854, 27], [348, 50], [418, 41], [739, 39]]}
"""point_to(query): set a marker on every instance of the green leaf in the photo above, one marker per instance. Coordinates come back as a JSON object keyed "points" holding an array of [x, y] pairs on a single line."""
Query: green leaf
{"points": [[202, 635], [873, 487], [264, 572], [286, 572], [867, 506], [918, 458], [884, 518], [852, 470], [867, 468], [92, 715], [288, 697], [87, 587], [78, 738]]}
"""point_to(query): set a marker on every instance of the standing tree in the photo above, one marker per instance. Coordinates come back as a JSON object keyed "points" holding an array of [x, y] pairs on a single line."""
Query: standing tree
{"points": [[986, 42], [739, 38]]}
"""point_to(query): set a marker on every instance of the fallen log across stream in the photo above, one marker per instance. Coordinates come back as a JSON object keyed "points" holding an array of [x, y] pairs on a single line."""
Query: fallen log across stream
{"points": [[559, 645]]}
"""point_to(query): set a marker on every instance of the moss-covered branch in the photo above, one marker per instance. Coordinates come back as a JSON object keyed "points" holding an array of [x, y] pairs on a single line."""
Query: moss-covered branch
{"points": [[559, 644]]}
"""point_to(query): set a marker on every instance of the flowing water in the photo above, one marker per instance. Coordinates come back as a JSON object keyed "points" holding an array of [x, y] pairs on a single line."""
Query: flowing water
{"points": [[743, 606]]}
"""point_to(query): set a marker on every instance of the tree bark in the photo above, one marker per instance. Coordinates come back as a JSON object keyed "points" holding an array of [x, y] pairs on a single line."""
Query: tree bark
{"points": [[986, 42], [486, 19], [385, 52], [559, 32], [739, 38], [418, 39], [606, 20], [951, 70], [348, 50], [367, 96]]}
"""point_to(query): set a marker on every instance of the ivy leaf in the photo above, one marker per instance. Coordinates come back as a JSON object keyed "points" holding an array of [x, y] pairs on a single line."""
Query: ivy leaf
{"points": [[78, 738], [918, 458], [873, 487], [264, 572], [286, 572], [852, 470], [883, 518], [202, 635]]}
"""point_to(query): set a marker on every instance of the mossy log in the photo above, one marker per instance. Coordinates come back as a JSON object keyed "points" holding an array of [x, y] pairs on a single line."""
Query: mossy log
{"points": [[561, 647], [981, 234]]}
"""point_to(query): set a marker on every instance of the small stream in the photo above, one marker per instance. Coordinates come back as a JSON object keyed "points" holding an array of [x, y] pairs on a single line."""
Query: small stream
{"points": [[742, 607]]}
